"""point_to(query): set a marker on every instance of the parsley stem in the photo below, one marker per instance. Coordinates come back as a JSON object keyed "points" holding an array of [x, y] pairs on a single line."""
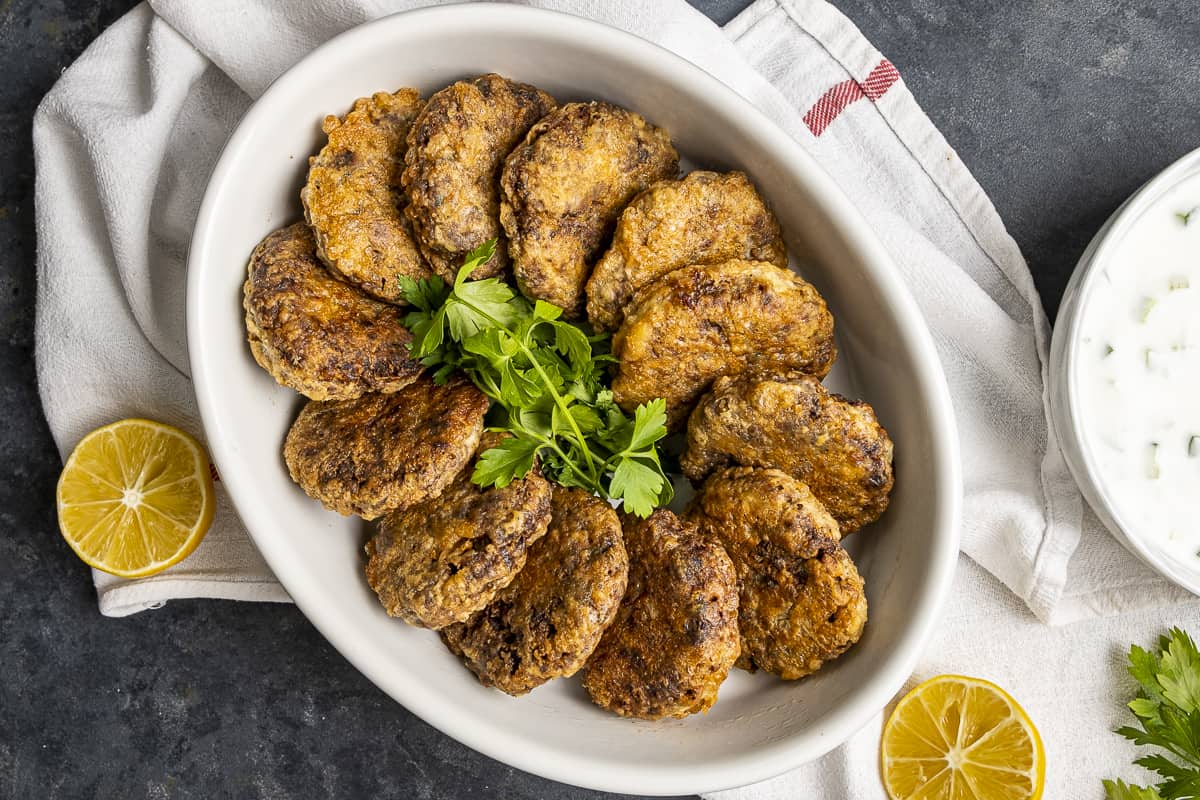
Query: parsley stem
{"points": [[592, 478], [611, 462], [1181, 753], [491, 388], [548, 441]]}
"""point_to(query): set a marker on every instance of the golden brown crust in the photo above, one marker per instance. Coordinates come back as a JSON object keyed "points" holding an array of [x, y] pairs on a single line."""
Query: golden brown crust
{"points": [[698, 323], [456, 148], [801, 600], [675, 636], [440, 561], [316, 334], [563, 188], [383, 452], [547, 622], [704, 218], [353, 199], [794, 424]]}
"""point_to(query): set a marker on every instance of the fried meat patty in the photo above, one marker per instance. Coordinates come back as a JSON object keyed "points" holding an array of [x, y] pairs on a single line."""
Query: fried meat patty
{"points": [[382, 452], [547, 622], [801, 600], [698, 323], [438, 562], [353, 199], [456, 148], [794, 424], [675, 636], [703, 218], [316, 334], [562, 189]]}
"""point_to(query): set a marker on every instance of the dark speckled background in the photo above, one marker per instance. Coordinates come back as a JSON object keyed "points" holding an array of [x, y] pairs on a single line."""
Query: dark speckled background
{"points": [[1060, 108]]}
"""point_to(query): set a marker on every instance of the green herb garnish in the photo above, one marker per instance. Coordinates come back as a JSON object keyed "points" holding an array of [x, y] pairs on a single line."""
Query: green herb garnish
{"points": [[1108, 350], [1119, 790], [546, 376], [1167, 709], [1186, 216]]}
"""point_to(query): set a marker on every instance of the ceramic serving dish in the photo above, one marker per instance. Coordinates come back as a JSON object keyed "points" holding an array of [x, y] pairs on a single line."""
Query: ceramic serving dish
{"points": [[761, 726], [1069, 348]]}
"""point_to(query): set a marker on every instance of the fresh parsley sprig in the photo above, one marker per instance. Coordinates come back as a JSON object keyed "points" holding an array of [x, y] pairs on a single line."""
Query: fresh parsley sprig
{"points": [[1167, 709], [546, 376]]}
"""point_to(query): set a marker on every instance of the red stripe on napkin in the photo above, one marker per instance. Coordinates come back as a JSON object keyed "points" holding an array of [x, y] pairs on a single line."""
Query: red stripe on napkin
{"points": [[834, 101]]}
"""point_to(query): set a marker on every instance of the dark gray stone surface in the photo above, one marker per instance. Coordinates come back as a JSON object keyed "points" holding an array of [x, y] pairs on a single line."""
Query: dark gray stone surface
{"points": [[1061, 110]]}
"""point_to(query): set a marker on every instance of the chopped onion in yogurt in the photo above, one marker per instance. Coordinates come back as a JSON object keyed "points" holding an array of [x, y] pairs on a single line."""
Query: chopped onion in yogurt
{"points": [[1139, 379]]}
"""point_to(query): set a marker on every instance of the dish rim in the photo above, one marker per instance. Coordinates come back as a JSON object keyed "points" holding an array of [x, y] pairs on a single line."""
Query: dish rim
{"points": [[454, 720]]}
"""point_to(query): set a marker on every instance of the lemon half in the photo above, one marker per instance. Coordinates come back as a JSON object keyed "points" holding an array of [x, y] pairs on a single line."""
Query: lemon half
{"points": [[959, 738], [135, 497]]}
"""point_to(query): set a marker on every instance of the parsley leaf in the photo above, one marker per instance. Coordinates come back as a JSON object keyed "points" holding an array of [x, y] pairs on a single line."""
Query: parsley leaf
{"points": [[1119, 790], [499, 465], [1180, 671], [547, 377], [634, 480], [649, 424], [1167, 710]]}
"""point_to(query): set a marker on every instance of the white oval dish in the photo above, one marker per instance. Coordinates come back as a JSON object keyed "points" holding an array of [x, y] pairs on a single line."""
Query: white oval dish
{"points": [[760, 726], [1066, 364]]}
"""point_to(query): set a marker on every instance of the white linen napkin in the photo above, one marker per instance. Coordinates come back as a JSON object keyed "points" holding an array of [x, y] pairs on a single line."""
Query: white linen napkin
{"points": [[125, 141]]}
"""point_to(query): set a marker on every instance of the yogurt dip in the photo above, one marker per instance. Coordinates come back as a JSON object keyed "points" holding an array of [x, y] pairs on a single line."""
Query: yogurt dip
{"points": [[1137, 376]]}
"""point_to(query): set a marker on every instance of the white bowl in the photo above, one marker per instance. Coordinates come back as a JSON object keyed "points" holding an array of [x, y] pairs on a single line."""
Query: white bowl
{"points": [[1065, 371], [760, 726]]}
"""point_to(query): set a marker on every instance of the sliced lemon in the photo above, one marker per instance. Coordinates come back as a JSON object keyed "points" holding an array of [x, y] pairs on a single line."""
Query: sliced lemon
{"points": [[961, 738], [135, 497]]}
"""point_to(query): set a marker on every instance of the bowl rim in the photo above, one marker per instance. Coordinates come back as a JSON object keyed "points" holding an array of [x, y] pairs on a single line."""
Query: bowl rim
{"points": [[1081, 459], [455, 721]]}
